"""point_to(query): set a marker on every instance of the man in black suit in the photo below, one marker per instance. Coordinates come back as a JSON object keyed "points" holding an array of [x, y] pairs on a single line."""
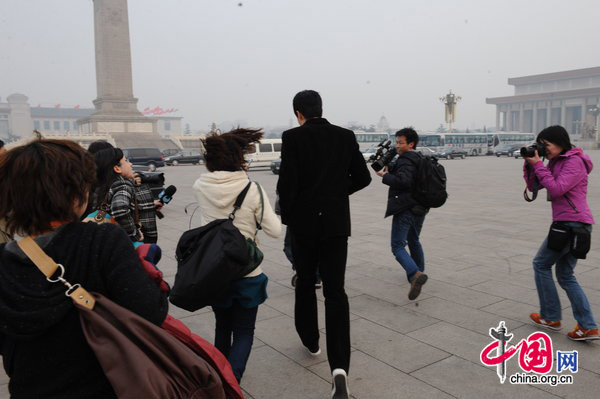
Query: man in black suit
{"points": [[321, 166]]}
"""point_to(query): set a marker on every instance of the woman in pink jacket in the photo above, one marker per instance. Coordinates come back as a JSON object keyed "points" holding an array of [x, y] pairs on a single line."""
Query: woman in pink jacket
{"points": [[565, 178]]}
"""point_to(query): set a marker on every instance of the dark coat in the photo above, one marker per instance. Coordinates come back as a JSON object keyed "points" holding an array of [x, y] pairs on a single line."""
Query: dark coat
{"points": [[42, 344], [401, 179], [321, 166]]}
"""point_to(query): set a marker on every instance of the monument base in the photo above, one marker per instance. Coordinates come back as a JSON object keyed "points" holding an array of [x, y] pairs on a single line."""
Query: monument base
{"points": [[128, 132]]}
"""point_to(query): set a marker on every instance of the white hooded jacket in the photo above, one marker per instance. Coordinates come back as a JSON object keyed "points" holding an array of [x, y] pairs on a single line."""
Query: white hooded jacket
{"points": [[216, 193]]}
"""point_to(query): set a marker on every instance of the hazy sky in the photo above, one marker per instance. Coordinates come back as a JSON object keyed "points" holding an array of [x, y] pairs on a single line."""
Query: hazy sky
{"points": [[216, 61]]}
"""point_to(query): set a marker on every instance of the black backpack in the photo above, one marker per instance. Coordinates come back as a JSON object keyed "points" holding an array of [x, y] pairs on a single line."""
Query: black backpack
{"points": [[430, 182], [208, 259]]}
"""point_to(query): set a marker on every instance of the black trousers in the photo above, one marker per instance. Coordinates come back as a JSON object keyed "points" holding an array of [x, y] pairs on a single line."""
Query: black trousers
{"points": [[330, 254]]}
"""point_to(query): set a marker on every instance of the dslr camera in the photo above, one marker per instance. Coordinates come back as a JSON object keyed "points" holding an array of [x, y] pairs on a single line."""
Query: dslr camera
{"points": [[383, 156], [528, 152]]}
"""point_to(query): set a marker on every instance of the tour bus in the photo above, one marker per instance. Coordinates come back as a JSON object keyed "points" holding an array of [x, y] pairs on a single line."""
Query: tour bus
{"points": [[367, 140], [264, 153], [474, 143]]}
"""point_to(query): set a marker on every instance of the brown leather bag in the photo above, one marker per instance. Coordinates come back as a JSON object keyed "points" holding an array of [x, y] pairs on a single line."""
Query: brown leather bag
{"points": [[140, 359]]}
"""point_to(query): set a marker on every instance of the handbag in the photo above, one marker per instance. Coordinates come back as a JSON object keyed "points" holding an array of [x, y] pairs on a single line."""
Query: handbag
{"points": [[208, 259], [140, 359]]}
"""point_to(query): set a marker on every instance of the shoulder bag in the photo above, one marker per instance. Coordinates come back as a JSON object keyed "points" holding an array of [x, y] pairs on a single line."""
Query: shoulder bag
{"points": [[140, 359]]}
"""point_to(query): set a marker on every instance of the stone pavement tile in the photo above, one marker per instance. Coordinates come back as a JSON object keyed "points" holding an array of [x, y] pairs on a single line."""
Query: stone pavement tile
{"points": [[202, 325], [509, 291], [509, 309], [458, 341], [246, 395], [452, 277], [369, 379], [4, 391], [588, 352], [280, 334], [274, 290], [463, 296], [459, 315], [464, 379], [270, 374], [585, 385], [397, 350], [394, 293], [179, 313], [386, 314]]}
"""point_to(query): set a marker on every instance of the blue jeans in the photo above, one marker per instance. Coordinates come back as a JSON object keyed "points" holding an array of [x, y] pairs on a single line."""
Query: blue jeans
{"points": [[239, 322], [406, 228], [550, 308]]}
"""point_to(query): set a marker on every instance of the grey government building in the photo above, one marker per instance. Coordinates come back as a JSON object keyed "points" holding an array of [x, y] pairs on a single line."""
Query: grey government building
{"points": [[568, 98]]}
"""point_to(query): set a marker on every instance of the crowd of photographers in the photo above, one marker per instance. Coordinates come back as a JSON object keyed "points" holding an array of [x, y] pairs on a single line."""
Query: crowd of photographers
{"points": [[100, 185]]}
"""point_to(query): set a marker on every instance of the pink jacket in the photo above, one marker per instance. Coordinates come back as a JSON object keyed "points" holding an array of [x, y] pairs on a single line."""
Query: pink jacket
{"points": [[566, 179]]}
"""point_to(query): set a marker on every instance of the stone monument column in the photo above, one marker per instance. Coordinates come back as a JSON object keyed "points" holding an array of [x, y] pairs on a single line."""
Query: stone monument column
{"points": [[113, 59], [116, 107]]}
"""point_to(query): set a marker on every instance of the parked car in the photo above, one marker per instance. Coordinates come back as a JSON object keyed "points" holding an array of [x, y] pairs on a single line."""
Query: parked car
{"points": [[193, 157], [452, 152], [170, 151], [506, 149], [426, 151], [150, 157], [367, 153], [275, 166]]}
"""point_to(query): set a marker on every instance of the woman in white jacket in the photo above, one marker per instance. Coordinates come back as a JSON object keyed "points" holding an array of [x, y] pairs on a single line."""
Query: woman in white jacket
{"points": [[216, 192]]}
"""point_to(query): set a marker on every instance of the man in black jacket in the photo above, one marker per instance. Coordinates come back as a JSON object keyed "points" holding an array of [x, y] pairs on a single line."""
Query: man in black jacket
{"points": [[321, 165], [408, 214]]}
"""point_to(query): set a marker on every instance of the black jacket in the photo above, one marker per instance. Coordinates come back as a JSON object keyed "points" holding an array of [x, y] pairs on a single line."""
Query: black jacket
{"points": [[321, 166], [401, 179], [44, 350]]}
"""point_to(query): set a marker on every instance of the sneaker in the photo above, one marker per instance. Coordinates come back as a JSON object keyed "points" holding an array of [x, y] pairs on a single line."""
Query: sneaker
{"points": [[415, 286], [552, 325], [315, 353], [579, 334], [318, 283], [340, 385]]}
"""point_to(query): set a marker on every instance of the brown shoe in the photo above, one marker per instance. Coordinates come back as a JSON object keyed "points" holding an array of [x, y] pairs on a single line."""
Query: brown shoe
{"points": [[419, 279]]}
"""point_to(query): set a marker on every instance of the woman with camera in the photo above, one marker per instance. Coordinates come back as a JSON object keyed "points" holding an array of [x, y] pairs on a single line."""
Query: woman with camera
{"points": [[565, 178]]}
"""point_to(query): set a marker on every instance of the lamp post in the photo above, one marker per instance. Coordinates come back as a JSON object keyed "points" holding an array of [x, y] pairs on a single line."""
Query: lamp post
{"points": [[595, 110]]}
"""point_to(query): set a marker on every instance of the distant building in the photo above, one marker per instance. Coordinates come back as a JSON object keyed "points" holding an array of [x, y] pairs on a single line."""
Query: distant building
{"points": [[559, 98], [18, 119], [383, 124]]}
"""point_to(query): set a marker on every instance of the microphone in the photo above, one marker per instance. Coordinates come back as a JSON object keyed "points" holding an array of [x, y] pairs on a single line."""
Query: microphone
{"points": [[165, 196]]}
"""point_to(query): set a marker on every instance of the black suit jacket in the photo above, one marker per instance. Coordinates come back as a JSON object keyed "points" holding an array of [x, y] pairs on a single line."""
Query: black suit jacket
{"points": [[321, 166]]}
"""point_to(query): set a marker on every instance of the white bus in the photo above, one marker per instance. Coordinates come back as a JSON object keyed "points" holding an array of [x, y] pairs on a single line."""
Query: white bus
{"points": [[367, 140], [474, 143], [265, 152]]}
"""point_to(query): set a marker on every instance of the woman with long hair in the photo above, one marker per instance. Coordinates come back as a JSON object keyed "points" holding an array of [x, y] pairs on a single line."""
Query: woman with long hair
{"points": [[216, 191], [565, 178], [45, 187]]}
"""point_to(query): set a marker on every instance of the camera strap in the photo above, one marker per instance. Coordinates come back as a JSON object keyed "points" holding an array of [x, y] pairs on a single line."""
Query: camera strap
{"points": [[536, 187]]}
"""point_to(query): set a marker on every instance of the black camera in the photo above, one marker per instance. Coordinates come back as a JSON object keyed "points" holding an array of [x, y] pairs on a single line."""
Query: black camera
{"points": [[383, 156], [528, 152]]}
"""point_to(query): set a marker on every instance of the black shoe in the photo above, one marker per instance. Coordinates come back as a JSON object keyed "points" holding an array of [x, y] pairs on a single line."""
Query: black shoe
{"points": [[415, 286], [294, 279], [340, 385]]}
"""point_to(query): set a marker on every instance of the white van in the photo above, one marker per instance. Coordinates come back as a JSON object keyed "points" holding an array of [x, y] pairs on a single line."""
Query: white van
{"points": [[265, 152]]}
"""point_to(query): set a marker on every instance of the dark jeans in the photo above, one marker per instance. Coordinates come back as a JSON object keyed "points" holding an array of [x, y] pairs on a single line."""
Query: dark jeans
{"points": [[239, 322], [406, 228], [329, 256]]}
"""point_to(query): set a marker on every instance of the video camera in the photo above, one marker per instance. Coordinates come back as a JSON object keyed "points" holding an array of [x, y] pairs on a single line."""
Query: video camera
{"points": [[383, 156]]}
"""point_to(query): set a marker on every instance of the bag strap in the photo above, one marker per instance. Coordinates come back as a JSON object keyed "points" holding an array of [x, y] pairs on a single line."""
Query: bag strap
{"points": [[49, 268], [262, 210], [239, 200]]}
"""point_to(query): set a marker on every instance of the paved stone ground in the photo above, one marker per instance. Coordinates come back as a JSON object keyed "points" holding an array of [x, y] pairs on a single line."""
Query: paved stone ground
{"points": [[478, 250]]}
